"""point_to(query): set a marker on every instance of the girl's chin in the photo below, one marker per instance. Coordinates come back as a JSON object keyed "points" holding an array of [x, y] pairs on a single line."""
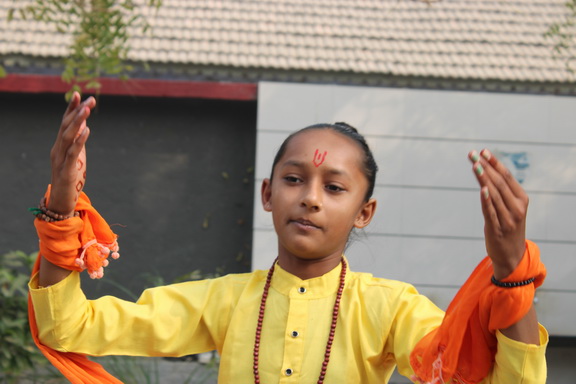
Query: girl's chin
{"points": [[308, 253]]}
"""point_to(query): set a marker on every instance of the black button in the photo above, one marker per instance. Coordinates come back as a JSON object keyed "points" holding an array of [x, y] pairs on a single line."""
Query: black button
{"points": [[288, 372], [295, 334], [302, 290]]}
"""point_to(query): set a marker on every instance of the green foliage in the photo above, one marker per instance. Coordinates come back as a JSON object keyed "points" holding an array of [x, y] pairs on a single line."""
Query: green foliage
{"points": [[199, 275], [150, 370], [100, 31], [562, 34], [21, 360], [18, 352], [2, 72]]}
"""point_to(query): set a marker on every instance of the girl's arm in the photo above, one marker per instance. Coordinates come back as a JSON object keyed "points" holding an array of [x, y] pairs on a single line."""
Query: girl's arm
{"points": [[68, 162], [504, 206]]}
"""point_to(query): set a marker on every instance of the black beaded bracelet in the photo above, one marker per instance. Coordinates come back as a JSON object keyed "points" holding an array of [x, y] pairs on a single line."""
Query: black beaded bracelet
{"points": [[512, 284]]}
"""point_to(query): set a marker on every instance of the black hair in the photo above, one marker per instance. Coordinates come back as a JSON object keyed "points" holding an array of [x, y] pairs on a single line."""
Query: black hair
{"points": [[370, 167]]}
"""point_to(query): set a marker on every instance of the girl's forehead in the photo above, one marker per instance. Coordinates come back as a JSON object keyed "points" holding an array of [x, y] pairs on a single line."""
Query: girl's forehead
{"points": [[336, 145], [322, 147]]}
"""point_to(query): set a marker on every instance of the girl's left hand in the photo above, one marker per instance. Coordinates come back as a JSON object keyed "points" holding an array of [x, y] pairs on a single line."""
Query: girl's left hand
{"points": [[504, 205]]}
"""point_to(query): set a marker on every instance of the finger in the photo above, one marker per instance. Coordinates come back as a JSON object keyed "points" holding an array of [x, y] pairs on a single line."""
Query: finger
{"points": [[513, 184], [499, 182], [497, 196], [90, 102], [491, 222], [513, 195], [474, 156], [76, 126], [506, 187], [70, 114], [76, 147], [72, 105], [74, 101]]}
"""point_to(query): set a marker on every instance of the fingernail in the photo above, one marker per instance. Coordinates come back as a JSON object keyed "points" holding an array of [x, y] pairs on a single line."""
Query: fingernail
{"points": [[478, 169], [485, 192], [474, 156], [486, 154]]}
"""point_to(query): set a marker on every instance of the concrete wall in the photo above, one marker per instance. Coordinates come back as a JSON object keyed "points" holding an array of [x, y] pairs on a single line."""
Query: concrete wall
{"points": [[176, 174], [428, 229]]}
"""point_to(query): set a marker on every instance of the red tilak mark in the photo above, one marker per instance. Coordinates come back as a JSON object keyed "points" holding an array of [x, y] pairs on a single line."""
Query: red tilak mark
{"points": [[319, 158], [79, 186], [79, 164]]}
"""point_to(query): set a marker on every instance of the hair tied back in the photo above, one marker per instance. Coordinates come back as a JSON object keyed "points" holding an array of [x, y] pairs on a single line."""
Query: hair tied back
{"points": [[345, 126]]}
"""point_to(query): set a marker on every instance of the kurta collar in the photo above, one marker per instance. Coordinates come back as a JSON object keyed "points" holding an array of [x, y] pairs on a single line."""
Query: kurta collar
{"points": [[315, 288]]}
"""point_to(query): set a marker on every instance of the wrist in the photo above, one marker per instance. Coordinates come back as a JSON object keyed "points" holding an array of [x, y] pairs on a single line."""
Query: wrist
{"points": [[55, 209], [60, 212], [50, 214], [504, 266], [59, 206], [501, 272]]}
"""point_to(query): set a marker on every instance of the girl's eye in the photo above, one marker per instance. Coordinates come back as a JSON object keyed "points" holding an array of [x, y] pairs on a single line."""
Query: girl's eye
{"points": [[334, 188], [292, 179]]}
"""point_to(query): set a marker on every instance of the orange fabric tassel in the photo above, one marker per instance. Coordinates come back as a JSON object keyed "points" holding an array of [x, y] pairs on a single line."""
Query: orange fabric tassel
{"points": [[77, 243], [462, 349]]}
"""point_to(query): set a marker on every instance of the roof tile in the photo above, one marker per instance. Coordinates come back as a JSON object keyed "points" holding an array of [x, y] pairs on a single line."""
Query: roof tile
{"points": [[485, 39]]}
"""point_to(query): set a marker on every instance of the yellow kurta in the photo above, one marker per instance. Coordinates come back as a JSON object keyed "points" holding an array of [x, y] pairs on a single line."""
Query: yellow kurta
{"points": [[379, 323]]}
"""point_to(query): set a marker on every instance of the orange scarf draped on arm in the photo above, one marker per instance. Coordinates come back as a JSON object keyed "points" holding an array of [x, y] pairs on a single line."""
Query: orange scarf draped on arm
{"points": [[462, 349], [77, 243]]}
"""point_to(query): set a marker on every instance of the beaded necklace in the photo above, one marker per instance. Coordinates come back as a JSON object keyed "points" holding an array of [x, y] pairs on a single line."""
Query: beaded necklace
{"points": [[332, 326]]}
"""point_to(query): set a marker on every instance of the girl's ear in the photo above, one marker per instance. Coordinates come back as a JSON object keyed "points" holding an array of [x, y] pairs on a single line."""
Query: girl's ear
{"points": [[266, 195], [366, 214]]}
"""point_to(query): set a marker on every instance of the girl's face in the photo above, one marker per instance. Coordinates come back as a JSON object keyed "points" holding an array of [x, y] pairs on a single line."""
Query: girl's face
{"points": [[317, 195]]}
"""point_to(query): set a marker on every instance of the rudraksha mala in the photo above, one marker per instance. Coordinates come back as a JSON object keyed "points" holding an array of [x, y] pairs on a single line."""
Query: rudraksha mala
{"points": [[332, 326], [47, 215]]}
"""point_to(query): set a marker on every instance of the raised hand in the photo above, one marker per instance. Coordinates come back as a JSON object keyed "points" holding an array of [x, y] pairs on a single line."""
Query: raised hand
{"points": [[504, 205], [68, 156]]}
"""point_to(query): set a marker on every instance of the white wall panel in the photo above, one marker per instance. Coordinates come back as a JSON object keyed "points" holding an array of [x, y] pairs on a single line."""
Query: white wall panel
{"points": [[421, 113], [428, 229], [443, 163], [447, 261]]}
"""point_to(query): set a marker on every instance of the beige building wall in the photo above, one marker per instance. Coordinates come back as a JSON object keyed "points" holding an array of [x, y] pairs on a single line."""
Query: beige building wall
{"points": [[428, 229]]}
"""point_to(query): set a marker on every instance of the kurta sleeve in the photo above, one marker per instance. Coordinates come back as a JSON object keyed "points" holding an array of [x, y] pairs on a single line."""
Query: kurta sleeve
{"points": [[415, 316], [172, 320], [518, 362]]}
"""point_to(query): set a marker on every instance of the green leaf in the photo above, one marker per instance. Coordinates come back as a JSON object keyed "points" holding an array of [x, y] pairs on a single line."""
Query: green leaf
{"points": [[75, 88], [93, 85]]}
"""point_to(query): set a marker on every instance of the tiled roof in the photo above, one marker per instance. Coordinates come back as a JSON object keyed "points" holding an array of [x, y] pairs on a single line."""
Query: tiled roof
{"points": [[452, 39]]}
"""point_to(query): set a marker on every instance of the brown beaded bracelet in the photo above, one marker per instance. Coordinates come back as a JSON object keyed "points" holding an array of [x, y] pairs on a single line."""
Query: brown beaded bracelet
{"points": [[47, 215], [512, 284]]}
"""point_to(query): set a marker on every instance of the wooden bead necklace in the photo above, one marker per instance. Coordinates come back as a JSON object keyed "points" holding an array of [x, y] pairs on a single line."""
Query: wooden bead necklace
{"points": [[332, 326]]}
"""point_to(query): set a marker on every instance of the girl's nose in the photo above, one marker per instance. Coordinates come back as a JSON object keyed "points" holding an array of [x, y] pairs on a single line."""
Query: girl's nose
{"points": [[312, 199]]}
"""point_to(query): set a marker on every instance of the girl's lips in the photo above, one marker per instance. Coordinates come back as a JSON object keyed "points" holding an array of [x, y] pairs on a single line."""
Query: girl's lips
{"points": [[305, 224]]}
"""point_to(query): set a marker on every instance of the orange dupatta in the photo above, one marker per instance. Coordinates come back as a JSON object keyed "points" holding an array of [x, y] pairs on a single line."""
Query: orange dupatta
{"points": [[462, 349], [77, 243]]}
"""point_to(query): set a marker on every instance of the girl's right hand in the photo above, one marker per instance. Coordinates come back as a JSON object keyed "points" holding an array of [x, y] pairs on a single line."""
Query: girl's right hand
{"points": [[68, 156]]}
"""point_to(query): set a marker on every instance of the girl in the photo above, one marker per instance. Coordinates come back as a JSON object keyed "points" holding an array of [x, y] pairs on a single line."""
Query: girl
{"points": [[308, 319]]}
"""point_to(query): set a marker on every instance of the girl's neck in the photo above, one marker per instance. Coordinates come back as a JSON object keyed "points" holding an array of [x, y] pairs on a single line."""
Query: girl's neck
{"points": [[308, 268]]}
